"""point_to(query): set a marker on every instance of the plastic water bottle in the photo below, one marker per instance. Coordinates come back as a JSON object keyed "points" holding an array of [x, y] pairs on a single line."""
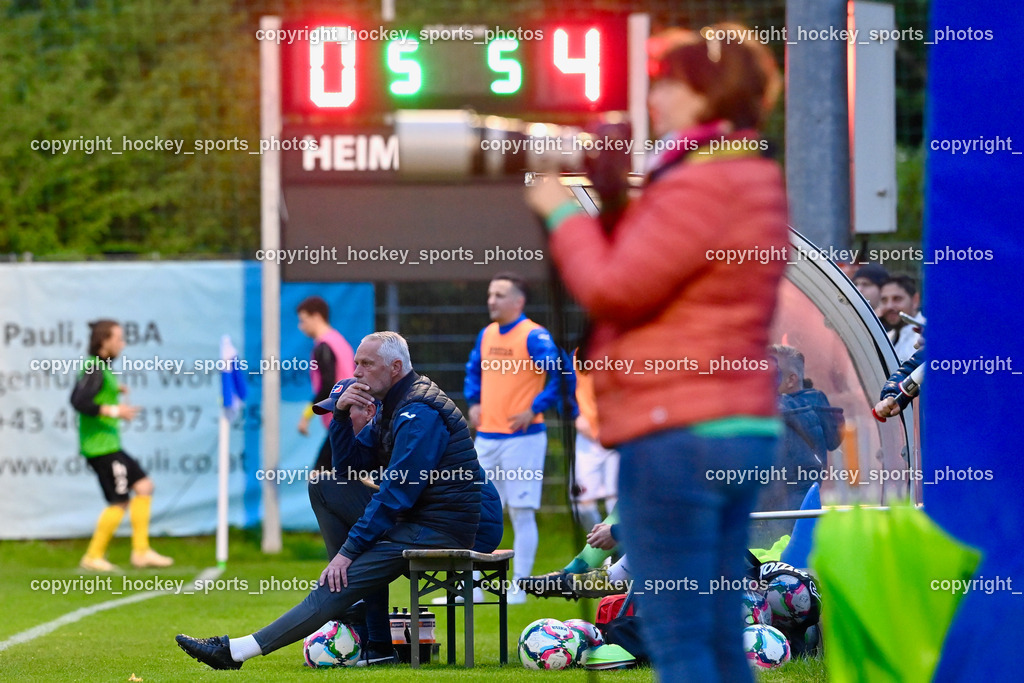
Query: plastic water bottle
{"points": [[398, 627], [428, 621]]}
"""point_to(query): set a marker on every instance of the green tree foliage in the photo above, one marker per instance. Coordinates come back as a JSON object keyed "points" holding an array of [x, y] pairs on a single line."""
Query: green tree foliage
{"points": [[911, 71], [170, 70], [146, 70], [910, 187]]}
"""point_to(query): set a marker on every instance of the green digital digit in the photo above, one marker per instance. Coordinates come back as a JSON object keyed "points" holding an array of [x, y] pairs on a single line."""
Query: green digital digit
{"points": [[509, 66], [400, 62]]}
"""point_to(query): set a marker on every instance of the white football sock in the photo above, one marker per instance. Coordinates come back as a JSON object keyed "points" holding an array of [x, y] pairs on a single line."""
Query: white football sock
{"points": [[244, 648], [524, 526], [620, 570]]}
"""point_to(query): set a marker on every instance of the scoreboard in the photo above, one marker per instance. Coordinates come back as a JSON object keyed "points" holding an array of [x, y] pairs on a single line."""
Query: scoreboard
{"points": [[341, 67], [388, 133]]}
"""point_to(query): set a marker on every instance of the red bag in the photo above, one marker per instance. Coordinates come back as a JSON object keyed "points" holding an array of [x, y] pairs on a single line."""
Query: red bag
{"points": [[609, 608]]}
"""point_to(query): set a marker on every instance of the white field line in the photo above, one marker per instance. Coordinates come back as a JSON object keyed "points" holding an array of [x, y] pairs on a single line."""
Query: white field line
{"points": [[79, 614]]}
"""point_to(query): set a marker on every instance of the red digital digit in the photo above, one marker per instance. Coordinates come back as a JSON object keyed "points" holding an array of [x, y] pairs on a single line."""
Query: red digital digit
{"points": [[589, 65], [318, 93], [336, 68]]}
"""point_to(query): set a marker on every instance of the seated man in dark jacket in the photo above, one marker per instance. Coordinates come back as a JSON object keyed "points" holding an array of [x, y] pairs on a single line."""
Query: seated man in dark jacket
{"points": [[430, 496], [813, 428], [338, 508]]}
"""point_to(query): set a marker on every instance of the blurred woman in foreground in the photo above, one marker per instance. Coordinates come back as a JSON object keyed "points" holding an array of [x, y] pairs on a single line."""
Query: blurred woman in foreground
{"points": [[662, 294]]}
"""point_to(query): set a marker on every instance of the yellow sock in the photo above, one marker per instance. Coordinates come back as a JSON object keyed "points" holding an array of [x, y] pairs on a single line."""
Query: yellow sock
{"points": [[106, 525], [138, 511]]}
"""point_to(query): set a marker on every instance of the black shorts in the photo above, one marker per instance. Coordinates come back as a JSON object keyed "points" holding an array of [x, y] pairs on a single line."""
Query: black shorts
{"points": [[117, 472]]}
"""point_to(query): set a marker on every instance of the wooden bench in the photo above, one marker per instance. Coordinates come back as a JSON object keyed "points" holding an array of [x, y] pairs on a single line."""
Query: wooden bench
{"points": [[457, 565]]}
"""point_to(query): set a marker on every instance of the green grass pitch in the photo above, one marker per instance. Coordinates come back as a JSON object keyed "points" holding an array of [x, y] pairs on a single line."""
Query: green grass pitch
{"points": [[138, 638]]}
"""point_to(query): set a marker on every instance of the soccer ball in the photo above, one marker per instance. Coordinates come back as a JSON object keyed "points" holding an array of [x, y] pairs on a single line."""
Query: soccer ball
{"points": [[333, 644], [791, 601], [755, 608], [548, 644], [765, 646], [589, 634]]}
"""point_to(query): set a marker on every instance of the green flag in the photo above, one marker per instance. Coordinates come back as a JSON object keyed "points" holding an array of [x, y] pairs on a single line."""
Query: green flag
{"points": [[881, 575]]}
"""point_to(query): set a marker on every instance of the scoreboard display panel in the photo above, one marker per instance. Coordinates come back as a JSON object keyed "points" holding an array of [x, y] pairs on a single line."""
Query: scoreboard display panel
{"points": [[390, 130], [344, 67]]}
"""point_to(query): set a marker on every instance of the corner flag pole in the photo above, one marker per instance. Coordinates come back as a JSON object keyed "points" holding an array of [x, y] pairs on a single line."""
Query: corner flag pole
{"points": [[270, 239], [232, 383], [223, 467]]}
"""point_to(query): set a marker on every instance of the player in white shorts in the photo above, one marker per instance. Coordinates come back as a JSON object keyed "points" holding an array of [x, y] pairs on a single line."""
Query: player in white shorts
{"points": [[511, 379], [515, 466]]}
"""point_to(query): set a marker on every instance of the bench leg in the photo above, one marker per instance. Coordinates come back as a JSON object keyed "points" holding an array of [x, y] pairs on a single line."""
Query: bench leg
{"points": [[414, 608], [467, 595], [503, 615], [451, 627]]}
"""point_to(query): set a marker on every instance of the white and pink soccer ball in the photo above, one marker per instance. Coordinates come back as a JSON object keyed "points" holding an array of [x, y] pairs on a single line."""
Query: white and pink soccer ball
{"points": [[549, 644], [756, 609], [765, 646], [791, 601], [333, 644], [589, 634]]}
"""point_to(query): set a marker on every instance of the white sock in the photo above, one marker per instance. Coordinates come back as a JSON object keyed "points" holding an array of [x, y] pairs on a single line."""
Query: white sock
{"points": [[620, 570], [244, 648], [524, 526]]}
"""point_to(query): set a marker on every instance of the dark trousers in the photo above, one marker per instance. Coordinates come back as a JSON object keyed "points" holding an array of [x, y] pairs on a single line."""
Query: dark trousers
{"points": [[338, 505], [335, 517], [687, 528]]}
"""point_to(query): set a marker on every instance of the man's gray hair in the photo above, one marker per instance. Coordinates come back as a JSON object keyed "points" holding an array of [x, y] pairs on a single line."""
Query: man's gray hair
{"points": [[392, 347], [789, 358]]}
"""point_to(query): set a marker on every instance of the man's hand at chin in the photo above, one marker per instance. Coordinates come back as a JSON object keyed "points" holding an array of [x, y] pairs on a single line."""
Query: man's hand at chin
{"points": [[357, 394]]}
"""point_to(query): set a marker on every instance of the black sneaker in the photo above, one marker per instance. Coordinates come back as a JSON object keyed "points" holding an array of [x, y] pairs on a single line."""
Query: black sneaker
{"points": [[374, 656], [553, 585], [214, 652]]}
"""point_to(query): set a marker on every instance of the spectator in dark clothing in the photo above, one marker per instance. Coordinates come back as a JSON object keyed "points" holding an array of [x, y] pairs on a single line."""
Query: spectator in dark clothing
{"points": [[430, 496], [813, 428]]}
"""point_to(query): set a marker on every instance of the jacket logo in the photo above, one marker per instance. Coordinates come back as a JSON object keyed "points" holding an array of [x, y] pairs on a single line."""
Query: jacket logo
{"points": [[408, 415]]}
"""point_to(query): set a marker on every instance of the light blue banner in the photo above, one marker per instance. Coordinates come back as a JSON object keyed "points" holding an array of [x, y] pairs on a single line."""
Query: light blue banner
{"points": [[173, 315], [352, 314]]}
